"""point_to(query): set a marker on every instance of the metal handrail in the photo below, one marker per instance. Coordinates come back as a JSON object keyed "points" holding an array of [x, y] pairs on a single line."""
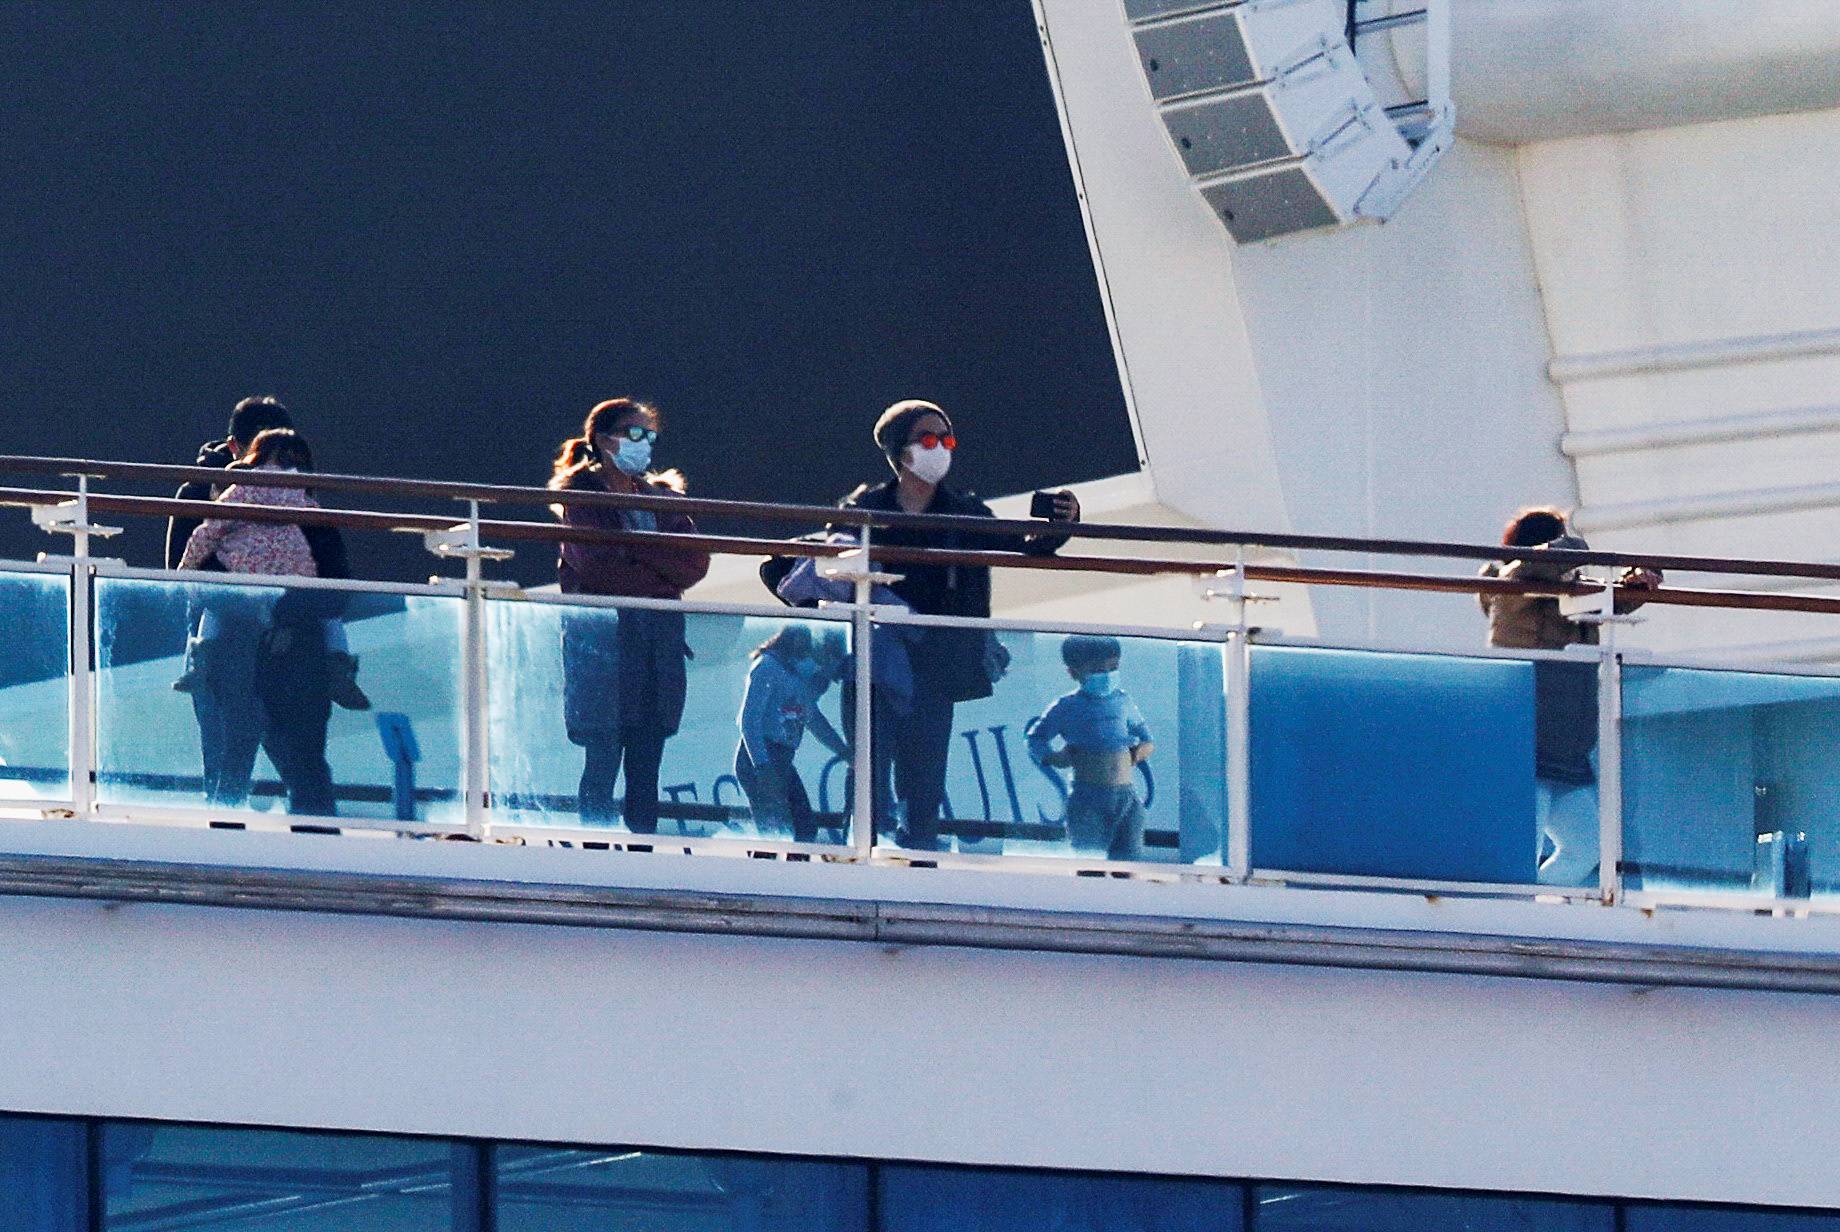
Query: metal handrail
{"points": [[880, 519]]}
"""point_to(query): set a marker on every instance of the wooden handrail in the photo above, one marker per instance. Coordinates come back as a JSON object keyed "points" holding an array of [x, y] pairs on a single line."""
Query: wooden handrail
{"points": [[552, 532], [816, 515]]}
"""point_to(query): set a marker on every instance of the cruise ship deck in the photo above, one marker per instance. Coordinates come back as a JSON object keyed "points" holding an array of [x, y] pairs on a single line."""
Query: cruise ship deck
{"points": [[1338, 915]]}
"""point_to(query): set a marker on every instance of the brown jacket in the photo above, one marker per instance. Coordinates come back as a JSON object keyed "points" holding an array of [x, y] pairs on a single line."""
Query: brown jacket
{"points": [[1529, 622], [1533, 622], [662, 572]]}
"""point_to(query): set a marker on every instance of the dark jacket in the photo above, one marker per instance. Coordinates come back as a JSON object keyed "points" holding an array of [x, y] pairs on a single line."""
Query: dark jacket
{"points": [[624, 669], [953, 661], [217, 454], [302, 605], [662, 572]]}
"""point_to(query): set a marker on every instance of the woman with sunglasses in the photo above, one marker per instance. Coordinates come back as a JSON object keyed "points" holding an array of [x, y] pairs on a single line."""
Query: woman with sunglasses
{"points": [[623, 670], [950, 665]]}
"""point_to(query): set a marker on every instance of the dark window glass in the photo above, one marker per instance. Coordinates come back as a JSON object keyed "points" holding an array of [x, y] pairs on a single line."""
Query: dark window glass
{"points": [[916, 1198], [551, 1190], [1715, 1219], [249, 1180], [42, 1169], [1285, 1208]]}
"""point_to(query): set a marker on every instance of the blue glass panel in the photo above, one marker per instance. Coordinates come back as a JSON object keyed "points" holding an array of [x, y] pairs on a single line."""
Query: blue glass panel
{"points": [[916, 1198], [553, 1190], [44, 1171], [250, 1180], [190, 682], [1088, 798], [1284, 1208], [1658, 1218], [1713, 762], [1414, 766], [35, 686], [581, 696]]}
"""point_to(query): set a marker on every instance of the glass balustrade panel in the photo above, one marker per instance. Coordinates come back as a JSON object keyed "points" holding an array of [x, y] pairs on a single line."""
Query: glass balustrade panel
{"points": [[650, 721], [241, 699], [1424, 767], [1731, 782], [1061, 745], [35, 687]]}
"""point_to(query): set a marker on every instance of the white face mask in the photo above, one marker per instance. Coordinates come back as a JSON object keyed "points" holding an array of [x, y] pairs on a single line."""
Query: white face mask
{"points": [[929, 465]]}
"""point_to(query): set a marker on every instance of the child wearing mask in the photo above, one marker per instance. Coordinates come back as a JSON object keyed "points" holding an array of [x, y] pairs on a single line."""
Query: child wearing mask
{"points": [[1104, 738], [806, 586], [791, 671], [274, 548]]}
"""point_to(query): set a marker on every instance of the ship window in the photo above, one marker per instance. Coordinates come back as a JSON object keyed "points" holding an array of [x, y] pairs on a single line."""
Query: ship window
{"points": [[1659, 1218], [543, 1189], [1286, 1208], [915, 1198], [244, 1180], [43, 1165]]}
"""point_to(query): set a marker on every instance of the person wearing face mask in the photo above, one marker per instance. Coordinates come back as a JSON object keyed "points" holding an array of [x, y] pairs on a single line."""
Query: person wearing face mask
{"points": [[1103, 740], [791, 672], [950, 665], [624, 677]]}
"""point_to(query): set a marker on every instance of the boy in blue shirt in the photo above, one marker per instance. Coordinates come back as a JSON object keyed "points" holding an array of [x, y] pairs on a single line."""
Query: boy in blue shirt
{"points": [[791, 671], [1104, 737]]}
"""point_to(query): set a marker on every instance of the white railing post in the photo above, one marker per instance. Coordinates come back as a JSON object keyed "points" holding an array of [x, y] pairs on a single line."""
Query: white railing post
{"points": [[463, 542], [1598, 608], [856, 567], [1610, 774], [1239, 753], [862, 747], [82, 650], [1229, 585], [72, 518], [1609, 751]]}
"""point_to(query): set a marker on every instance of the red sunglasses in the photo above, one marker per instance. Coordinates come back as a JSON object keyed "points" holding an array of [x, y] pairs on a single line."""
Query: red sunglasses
{"points": [[927, 440]]}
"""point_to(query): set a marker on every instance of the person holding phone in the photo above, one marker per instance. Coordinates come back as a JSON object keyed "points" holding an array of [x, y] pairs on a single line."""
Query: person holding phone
{"points": [[1564, 692], [950, 665]]}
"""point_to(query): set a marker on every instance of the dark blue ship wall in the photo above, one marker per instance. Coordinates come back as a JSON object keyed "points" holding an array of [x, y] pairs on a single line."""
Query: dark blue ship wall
{"points": [[442, 231]]}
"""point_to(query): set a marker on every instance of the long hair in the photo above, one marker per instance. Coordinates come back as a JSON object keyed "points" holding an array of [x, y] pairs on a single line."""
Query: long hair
{"points": [[579, 453], [1532, 526]]}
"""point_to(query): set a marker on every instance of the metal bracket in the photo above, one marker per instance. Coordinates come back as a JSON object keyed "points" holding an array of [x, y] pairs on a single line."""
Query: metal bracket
{"points": [[461, 542], [1230, 585], [1596, 608], [854, 566], [1391, 187], [70, 518]]}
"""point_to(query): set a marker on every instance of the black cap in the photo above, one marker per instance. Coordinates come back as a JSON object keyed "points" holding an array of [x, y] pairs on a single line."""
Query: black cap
{"points": [[892, 429]]}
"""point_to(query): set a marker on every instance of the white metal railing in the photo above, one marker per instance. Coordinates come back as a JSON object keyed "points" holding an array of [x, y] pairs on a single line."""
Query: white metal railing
{"points": [[1231, 860]]}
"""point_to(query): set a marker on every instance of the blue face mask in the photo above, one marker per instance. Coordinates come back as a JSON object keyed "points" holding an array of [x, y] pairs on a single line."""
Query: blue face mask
{"points": [[1098, 684], [633, 457]]}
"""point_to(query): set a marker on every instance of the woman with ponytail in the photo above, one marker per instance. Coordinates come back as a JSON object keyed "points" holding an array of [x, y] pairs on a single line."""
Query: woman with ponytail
{"points": [[623, 671]]}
